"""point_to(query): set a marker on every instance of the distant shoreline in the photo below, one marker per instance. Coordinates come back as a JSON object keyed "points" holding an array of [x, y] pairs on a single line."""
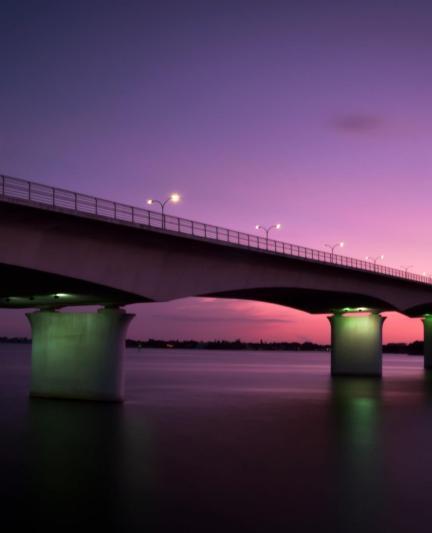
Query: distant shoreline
{"points": [[413, 348]]}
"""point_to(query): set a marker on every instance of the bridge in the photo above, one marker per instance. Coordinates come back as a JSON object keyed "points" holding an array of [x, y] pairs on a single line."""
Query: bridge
{"points": [[62, 249]]}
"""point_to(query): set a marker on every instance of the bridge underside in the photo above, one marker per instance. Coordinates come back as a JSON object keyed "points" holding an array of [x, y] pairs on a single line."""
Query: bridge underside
{"points": [[310, 300], [27, 288]]}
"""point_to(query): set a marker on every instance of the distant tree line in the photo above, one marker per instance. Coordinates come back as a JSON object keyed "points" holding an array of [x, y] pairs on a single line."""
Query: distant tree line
{"points": [[413, 348], [15, 340], [227, 345]]}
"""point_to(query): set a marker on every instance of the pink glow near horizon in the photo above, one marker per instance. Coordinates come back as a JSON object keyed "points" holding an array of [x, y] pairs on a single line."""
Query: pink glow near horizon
{"points": [[318, 118], [208, 319]]}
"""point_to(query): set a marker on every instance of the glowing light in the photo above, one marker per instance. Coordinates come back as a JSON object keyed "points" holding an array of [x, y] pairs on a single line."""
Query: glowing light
{"points": [[355, 310], [374, 259], [149, 201], [175, 197], [267, 229], [332, 247]]}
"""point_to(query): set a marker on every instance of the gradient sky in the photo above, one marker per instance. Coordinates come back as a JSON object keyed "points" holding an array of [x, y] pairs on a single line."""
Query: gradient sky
{"points": [[309, 113]]}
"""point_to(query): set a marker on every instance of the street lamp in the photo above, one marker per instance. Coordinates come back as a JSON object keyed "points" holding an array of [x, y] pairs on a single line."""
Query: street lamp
{"points": [[267, 230], [174, 198], [374, 259], [406, 268], [333, 246]]}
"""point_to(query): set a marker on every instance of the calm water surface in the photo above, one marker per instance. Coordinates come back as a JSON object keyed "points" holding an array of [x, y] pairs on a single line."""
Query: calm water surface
{"points": [[221, 441]]}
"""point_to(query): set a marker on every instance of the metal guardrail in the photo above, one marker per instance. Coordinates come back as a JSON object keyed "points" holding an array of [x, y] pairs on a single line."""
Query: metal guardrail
{"points": [[51, 197]]}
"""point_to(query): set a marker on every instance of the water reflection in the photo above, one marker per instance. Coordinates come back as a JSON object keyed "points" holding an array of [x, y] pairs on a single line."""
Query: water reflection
{"points": [[81, 463], [427, 387], [356, 411], [217, 442], [74, 451]]}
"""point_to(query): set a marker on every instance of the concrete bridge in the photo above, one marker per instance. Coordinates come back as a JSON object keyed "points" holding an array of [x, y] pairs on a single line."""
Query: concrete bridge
{"points": [[61, 249]]}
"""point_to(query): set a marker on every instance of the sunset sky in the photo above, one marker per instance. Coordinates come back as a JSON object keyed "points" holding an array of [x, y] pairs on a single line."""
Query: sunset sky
{"points": [[313, 114]]}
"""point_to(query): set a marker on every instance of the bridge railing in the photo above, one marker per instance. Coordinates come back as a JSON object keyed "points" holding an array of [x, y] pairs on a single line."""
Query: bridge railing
{"points": [[51, 197]]}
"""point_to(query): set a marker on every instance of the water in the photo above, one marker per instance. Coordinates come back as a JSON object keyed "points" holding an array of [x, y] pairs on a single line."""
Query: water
{"points": [[221, 441]]}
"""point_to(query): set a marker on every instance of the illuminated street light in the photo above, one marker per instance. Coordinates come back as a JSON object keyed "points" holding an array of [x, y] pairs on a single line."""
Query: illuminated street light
{"points": [[267, 230], [374, 259], [174, 198], [332, 247]]}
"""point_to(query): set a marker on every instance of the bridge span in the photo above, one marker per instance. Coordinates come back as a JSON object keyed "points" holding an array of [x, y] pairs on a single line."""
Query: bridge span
{"points": [[62, 249]]}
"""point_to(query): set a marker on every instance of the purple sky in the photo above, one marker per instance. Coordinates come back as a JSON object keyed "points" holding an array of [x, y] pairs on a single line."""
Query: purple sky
{"points": [[314, 114]]}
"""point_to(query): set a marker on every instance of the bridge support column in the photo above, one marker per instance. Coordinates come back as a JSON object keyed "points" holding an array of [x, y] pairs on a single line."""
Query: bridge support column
{"points": [[356, 345], [427, 350], [78, 355]]}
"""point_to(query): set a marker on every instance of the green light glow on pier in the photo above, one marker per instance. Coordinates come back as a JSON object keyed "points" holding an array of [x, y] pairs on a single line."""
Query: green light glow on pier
{"points": [[353, 310]]}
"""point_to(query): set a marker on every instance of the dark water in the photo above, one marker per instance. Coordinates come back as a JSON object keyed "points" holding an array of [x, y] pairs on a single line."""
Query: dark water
{"points": [[221, 441]]}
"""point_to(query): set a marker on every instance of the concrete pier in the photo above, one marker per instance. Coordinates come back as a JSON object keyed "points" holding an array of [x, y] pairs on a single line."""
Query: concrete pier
{"points": [[78, 355], [356, 345], [427, 350]]}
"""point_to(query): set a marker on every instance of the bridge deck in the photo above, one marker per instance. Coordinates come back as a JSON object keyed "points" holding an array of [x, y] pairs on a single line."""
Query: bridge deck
{"points": [[16, 190]]}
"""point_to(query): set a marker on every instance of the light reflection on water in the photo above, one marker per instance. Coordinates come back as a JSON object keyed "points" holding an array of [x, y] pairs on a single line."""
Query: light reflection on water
{"points": [[212, 441]]}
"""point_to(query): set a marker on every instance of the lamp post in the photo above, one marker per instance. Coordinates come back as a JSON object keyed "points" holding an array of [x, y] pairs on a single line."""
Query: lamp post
{"points": [[267, 230], [374, 259], [332, 247], [174, 198], [406, 268]]}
